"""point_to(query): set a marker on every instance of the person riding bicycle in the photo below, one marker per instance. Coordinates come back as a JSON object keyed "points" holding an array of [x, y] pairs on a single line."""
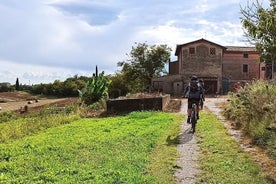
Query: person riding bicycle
{"points": [[194, 93]]}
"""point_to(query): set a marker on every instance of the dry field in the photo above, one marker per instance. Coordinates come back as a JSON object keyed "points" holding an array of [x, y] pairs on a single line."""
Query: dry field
{"points": [[14, 101]]}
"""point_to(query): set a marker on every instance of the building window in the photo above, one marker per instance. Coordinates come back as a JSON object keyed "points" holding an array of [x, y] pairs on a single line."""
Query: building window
{"points": [[191, 50], [245, 68], [245, 55], [185, 53], [212, 51]]}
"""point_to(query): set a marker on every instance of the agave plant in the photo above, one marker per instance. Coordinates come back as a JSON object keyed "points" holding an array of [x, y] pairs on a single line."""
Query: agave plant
{"points": [[95, 90]]}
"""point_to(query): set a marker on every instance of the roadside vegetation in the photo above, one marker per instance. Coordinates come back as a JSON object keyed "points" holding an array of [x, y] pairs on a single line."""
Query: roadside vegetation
{"points": [[14, 127], [122, 149], [253, 109], [223, 160]]}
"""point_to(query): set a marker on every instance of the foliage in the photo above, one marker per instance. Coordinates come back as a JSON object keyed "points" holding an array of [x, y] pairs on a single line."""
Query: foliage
{"points": [[17, 87], [260, 28], [68, 88], [145, 62], [5, 87], [118, 87], [96, 89], [107, 150], [223, 160], [254, 107]]}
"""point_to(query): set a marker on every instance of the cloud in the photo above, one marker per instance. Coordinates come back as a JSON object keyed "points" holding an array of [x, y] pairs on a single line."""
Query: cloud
{"points": [[92, 14], [62, 38]]}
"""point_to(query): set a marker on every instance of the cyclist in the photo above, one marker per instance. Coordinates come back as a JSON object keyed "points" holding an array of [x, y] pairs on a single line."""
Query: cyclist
{"points": [[194, 92]]}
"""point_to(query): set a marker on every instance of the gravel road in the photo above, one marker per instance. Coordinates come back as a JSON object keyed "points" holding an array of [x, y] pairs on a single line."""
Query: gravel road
{"points": [[188, 147], [189, 151]]}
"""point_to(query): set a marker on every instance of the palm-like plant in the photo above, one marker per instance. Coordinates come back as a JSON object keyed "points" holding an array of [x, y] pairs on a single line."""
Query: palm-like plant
{"points": [[95, 89]]}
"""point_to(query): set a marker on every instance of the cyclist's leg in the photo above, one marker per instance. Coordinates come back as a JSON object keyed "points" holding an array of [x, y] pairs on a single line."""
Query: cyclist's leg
{"points": [[193, 117], [201, 103], [197, 101]]}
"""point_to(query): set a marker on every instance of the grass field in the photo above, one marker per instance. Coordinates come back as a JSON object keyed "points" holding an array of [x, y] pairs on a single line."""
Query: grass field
{"points": [[134, 148], [123, 149]]}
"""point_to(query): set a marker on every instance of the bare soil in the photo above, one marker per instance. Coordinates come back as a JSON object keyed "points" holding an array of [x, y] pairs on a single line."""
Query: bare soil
{"points": [[14, 101]]}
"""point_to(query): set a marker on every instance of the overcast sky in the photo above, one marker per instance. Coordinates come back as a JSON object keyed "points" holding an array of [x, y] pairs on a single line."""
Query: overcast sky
{"points": [[46, 40]]}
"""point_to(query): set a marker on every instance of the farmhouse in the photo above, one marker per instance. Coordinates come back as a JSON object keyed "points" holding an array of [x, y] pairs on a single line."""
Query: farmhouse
{"points": [[220, 67]]}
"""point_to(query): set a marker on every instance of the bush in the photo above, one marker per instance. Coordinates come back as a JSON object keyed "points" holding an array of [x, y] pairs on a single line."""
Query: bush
{"points": [[253, 108]]}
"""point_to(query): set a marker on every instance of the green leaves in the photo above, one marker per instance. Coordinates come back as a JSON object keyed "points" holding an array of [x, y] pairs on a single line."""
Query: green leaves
{"points": [[145, 62], [260, 28], [96, 88]]}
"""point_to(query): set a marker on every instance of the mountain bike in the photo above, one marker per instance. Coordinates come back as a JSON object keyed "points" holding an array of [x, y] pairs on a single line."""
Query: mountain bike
{"points": [[193, 117]]}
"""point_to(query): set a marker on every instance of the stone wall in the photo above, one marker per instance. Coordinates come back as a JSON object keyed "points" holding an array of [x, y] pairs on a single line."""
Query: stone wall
{"points": [[137, 104]]}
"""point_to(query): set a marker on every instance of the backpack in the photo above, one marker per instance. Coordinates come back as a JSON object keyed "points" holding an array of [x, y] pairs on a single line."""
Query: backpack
{"points": [[194, 87]]}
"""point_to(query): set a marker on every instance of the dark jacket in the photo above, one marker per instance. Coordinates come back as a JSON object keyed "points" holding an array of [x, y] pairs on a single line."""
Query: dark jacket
{"points": [[193, 95]]}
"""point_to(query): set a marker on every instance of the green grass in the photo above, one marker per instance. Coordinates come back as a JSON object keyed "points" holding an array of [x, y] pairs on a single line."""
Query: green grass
{"points": [[223, 161], [13, 127], [19, 128], [123, 149]]}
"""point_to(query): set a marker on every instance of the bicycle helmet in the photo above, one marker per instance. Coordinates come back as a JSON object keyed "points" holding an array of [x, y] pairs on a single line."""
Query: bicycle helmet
{"points": [[194, 78]]}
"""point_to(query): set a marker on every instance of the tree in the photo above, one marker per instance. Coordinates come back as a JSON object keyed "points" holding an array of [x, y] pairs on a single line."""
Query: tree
{"points": [[17, 84], [145, 62], [118, 87], [260, 29]]}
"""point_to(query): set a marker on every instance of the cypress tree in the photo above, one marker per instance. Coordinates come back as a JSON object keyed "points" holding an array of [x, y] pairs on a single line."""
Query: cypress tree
{"points": [[17, 84]]}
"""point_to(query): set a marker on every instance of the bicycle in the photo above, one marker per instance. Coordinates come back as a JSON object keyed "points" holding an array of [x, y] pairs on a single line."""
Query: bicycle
{"points": [[193, 117]]}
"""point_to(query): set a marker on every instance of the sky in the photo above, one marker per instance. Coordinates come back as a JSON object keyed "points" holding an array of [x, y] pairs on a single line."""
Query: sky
{"points": [[46, 40]]}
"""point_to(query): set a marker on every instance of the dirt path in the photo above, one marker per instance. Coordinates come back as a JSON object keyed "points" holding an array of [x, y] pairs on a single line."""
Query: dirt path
{"points": [[190, 152]]}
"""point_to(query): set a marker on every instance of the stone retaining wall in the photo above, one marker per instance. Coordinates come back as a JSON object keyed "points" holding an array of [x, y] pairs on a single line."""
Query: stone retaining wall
{"points": [[137, 104]]}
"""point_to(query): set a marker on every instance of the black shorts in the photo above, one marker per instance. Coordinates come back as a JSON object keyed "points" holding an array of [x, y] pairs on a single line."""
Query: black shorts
{"points": [[193, 100]]}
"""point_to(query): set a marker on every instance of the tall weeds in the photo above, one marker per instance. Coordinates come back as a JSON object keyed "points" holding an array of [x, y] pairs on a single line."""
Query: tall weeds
{"points": [[253, 108]]}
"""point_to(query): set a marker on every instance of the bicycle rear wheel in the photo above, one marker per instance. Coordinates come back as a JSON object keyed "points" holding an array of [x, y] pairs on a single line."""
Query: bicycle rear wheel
{"points": [[193, 121]]}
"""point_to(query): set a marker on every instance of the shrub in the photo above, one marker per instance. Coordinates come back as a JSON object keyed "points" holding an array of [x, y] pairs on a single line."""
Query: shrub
{"points": [[253, 108], [95, 90]]}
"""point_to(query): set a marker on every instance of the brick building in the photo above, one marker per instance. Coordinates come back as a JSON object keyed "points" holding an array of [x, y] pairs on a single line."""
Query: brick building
{"points": [[219, 66]]}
